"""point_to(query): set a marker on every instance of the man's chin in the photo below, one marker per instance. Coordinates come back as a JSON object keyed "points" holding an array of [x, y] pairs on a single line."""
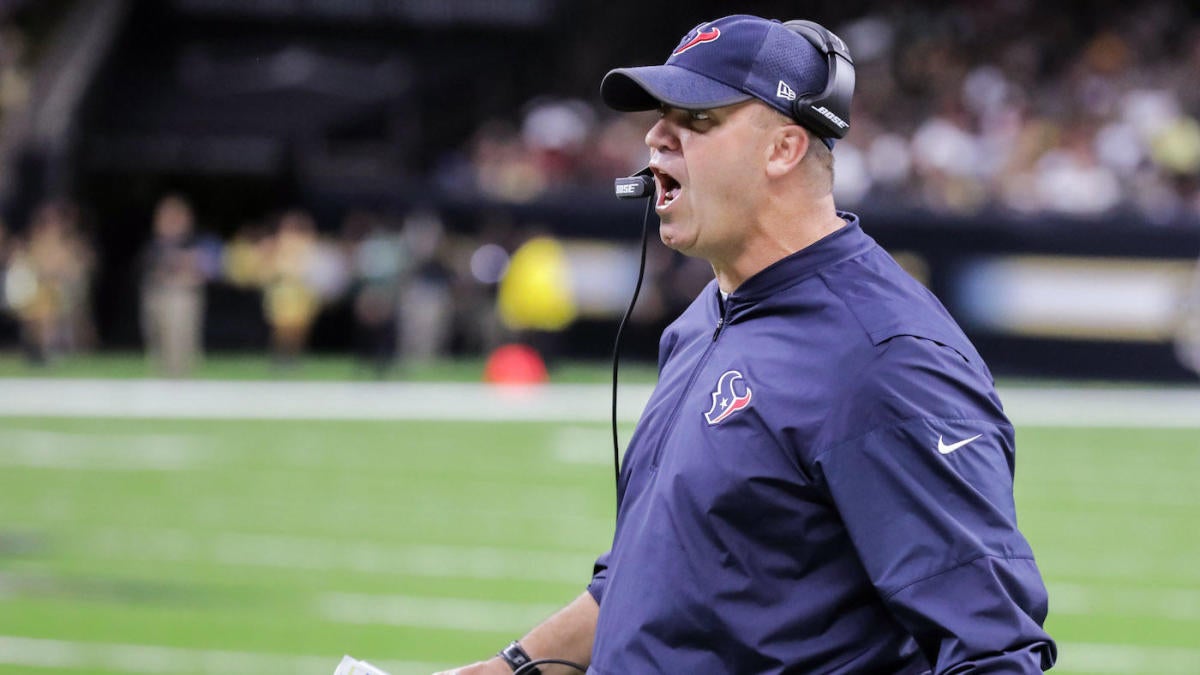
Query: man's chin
{"points": [[675, 242]]}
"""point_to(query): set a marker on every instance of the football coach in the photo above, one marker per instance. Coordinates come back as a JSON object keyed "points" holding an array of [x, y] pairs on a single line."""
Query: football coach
{"points": [[822, 480]]}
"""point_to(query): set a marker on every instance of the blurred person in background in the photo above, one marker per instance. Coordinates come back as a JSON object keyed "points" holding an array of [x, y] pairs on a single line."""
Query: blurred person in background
{"points": [[245, 260], [20, 285], [291, 300], [425, 313], [822, 479], [14, 73], [173, 279], [477, 264], [1187, 330], [378, 260], [502, 167], [8, 323], [48, 284]]}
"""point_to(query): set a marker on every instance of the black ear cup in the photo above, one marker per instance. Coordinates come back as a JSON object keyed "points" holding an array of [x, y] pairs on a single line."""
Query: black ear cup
{"points": [[828, 113]]}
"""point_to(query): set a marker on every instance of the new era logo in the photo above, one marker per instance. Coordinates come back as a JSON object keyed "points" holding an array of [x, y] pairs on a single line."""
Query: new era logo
{"points": [[784, 91]]}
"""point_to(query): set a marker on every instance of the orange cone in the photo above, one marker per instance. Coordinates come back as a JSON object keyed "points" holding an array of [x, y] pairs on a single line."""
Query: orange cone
{"points": [[515, 364]]}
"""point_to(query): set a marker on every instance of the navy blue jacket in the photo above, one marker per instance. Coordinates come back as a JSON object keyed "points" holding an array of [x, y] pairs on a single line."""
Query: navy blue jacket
{"points": [[822, 482]]}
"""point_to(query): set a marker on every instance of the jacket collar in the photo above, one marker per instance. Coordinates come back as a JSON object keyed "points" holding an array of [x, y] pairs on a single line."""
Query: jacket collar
{"points": [[847, 242]]}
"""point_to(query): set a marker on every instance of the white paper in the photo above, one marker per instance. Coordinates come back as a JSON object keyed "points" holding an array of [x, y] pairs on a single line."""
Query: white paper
{"points": [[352, 666]]}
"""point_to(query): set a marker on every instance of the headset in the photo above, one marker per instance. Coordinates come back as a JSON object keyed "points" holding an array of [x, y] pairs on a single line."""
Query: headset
{"points": [[827, 113]]}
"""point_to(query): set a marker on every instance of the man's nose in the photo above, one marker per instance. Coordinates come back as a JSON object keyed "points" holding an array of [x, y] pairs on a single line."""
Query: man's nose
{"points": [[662, 136]]}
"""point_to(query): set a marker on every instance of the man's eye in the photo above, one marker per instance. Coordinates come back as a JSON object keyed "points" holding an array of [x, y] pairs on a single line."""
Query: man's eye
{"points": [[698, 115]]}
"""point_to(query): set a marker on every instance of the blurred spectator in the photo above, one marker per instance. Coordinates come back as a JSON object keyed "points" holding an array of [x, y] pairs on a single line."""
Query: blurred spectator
{"points": [[477, 264], [14, 74], [246, 257], [7, 316], [426, 312], [291, 300], [378, 259], [173, 280], [1187, 332], [503, 167], [47, 284]]}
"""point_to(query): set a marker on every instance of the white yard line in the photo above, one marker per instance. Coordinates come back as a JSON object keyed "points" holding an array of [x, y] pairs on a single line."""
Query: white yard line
{"points": [[315, 553], [1175, 604], [1029, 406], [1118, 566], [1102, 407], [99, 452], [126, 658], [1091, 657], [313, 400], [425, 612]]}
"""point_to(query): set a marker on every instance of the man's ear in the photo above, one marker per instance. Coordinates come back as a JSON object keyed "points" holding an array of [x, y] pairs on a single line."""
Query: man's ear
{"points": [[788, 146]]}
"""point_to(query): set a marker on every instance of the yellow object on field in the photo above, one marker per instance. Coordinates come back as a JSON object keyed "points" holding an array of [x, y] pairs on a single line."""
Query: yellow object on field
{"points": [[535, 293]]}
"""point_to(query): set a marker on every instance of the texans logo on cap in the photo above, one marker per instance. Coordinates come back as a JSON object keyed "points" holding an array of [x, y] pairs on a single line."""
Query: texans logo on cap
{"points": [[725, 400], [700, 38]]}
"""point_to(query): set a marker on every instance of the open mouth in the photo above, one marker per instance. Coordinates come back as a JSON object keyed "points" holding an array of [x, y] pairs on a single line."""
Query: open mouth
{"points": [[668, 188]]}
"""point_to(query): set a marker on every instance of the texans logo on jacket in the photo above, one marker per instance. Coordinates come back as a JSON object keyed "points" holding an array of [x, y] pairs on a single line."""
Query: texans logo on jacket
{"points": [[726, 400]]}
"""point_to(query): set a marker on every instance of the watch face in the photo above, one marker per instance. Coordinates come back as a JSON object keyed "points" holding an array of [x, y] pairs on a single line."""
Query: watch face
{"points": [[518, 656], [515, 655]]}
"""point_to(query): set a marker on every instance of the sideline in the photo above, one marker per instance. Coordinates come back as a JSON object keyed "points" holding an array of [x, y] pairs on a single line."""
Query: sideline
{"points": [[1058, 406]]}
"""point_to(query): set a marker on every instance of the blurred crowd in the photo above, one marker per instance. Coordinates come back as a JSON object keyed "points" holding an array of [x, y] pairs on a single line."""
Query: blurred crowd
{"points": [[378, 266], [1000, 107], [1012, 106], [402, 289]]}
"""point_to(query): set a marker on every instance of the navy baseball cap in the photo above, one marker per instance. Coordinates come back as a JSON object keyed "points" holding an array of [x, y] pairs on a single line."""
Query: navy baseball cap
{"points": [[719, 63]]}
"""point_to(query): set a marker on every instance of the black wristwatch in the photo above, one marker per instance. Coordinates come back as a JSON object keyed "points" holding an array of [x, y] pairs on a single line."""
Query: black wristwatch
{"points": [[515, 656]]}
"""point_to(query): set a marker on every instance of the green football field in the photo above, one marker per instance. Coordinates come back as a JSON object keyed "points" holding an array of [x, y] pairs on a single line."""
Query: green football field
{"points": [[274, 546]]}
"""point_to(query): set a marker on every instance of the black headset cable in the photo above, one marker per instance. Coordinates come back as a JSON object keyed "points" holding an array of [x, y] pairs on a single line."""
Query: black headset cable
{"points": [[616, 359]]}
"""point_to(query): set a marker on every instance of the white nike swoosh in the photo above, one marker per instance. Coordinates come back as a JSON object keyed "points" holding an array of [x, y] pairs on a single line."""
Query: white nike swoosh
{"points": [[947, 449]]}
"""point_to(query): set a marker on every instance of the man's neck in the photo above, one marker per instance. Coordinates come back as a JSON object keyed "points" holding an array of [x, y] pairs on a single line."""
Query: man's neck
{"points": [[774, 237]]}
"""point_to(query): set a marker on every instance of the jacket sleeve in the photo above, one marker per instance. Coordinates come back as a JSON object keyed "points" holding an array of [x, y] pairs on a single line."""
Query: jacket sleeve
{"points": [[599, 578], [923, 482]]}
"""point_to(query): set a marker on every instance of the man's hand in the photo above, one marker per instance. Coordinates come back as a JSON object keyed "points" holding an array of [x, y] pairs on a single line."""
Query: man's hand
{"points": [[493, 666]]}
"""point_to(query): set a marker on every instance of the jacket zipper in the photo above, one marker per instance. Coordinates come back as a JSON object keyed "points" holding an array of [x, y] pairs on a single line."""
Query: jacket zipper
{"points": [[722, 321]]}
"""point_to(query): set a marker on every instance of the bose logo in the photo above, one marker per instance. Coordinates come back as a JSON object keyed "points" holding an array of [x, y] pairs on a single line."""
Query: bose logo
{"points": [[830, 116], [627, 189]]}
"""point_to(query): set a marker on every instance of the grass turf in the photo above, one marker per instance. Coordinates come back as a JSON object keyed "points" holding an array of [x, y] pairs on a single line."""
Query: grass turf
{"points": [[383, 539]]}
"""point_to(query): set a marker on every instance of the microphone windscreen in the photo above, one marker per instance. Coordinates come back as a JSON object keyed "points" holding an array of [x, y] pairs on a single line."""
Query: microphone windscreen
{"points": [[637, 186]]}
